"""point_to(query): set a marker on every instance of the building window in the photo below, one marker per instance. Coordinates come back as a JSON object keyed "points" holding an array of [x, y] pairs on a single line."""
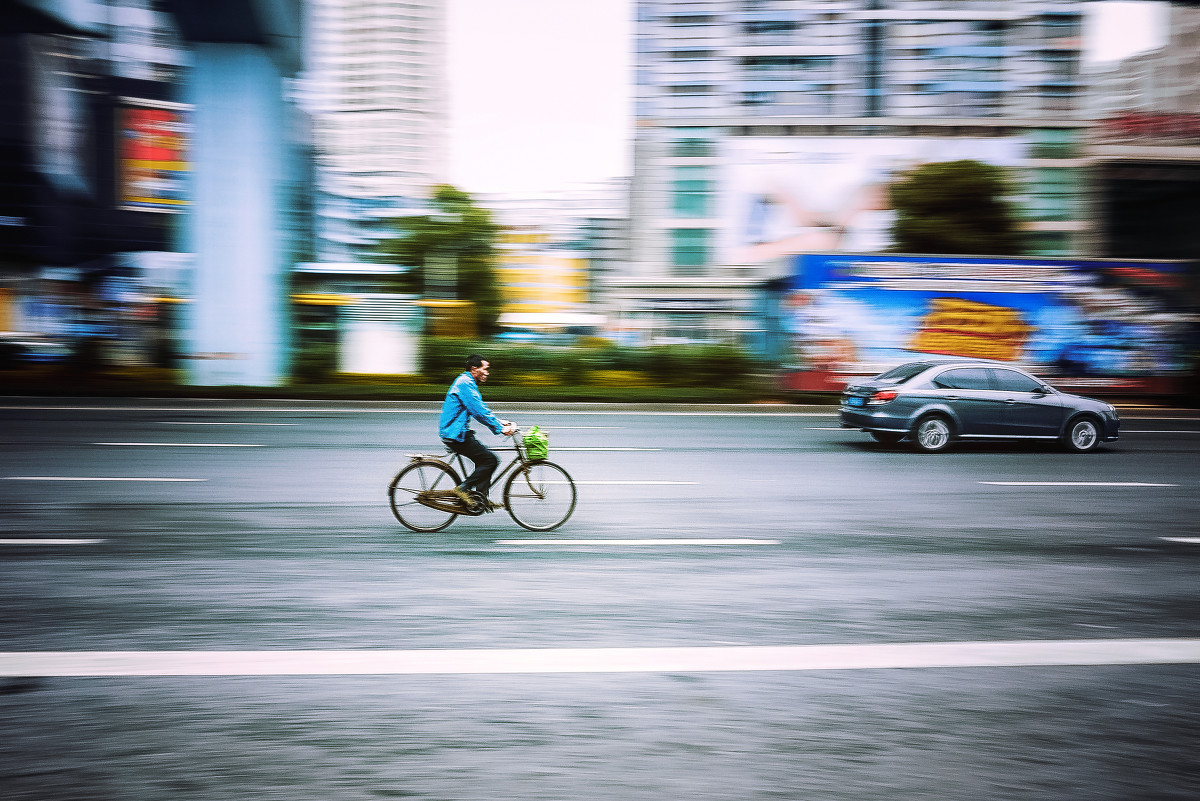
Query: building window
{"points": [[1053, 194], [692, 192], [1053, 143], [692, 148], [689, 250]]}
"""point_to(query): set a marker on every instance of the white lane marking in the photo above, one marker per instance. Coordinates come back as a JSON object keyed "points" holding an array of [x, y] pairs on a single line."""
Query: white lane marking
{"points": [[636, 483], [93, 478], [199, 423], [606, 449], [1159, 431], [1075, 484], [601, 660], [48, 541], [179, 444], [561, 543], [1189, 540], [314, 410]]}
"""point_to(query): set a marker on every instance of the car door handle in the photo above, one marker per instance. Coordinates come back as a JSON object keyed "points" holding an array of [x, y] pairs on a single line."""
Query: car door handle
{"points": [[1010, 401], [953, 397]]}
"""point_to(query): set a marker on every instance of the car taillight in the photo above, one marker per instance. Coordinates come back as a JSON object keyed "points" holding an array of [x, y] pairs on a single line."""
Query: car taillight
{"points": [[882, 396]]}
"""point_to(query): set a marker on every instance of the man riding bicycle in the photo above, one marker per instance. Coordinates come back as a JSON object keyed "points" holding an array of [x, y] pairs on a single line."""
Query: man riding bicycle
{"points": [[463, 401]]}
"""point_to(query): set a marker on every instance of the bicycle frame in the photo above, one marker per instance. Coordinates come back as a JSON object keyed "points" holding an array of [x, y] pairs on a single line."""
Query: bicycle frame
{"points": [[456, 459], [452, 459]]}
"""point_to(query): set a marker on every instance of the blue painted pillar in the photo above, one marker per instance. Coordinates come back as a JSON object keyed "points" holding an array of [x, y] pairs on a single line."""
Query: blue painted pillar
{"points": [[236, 322]]}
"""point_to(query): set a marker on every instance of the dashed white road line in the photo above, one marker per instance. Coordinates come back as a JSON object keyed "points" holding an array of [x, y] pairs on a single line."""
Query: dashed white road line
{"points": [[1188, 540], [207, 423], [1076, 484], [95, 478], [601, 660], [180, 444], [634, 483], [606, 449], [679, 541], [49, 541]]}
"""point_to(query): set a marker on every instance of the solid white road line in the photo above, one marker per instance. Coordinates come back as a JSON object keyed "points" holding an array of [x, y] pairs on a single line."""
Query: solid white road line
{"points": [[93, 478], [47, 541], [1189, 540], [563, 543], [601, 660], [1075, 484], [180, 444]]}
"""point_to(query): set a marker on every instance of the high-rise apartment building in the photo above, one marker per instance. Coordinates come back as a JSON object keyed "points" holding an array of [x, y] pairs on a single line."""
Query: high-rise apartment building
{"points": [[1143, 151], [760, 121], [376, 88]]}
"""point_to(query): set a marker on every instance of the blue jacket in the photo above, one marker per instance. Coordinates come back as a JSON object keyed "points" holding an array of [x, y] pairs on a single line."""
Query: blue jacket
{"points": [[463, 402]]}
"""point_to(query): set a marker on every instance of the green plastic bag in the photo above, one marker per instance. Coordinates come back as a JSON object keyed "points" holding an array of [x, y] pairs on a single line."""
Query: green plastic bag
{"points": [[537, 444]]}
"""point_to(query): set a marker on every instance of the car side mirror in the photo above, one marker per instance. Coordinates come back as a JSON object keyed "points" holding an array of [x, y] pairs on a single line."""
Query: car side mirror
{"points": [[1041, 392]]}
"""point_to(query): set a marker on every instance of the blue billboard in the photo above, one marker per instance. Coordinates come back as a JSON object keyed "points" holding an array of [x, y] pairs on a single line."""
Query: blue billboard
{"points": [[1101, 323]]}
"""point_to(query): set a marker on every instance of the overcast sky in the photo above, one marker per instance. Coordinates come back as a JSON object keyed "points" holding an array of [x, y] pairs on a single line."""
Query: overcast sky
{"points": [[540, 94]]}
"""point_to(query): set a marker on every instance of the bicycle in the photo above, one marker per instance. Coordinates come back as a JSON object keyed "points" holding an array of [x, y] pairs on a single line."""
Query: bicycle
{"points": [[538, 494]]}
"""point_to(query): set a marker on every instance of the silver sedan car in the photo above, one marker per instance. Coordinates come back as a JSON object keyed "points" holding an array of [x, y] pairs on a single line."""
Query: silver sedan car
{"points": [[933, 403]]}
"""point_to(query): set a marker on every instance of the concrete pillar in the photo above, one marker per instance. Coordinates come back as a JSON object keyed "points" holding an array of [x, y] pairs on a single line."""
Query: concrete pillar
{"points": [[236, 322]]}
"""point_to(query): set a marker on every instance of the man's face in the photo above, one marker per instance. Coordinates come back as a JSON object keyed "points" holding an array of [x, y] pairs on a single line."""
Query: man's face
{"points": [[480, 373]]}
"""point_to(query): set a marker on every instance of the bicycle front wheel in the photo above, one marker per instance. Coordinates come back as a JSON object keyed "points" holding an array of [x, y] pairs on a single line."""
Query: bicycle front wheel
{"points": [[540, 496], [421, 477]]}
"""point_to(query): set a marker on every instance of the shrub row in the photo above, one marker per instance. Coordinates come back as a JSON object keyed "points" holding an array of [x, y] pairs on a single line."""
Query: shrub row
{"points": [[594, 362]]}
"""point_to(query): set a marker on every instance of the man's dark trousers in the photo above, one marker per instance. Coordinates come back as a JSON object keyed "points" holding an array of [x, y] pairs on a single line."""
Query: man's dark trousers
{"points": [[484, 460]]}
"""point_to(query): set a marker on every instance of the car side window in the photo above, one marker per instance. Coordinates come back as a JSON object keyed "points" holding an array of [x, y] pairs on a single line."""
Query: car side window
{"points": [[1012, 381], [963, 378]]}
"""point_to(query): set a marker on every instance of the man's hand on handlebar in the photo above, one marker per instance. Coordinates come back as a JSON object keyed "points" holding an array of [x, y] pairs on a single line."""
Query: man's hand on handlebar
{"points": [[510, 427]]}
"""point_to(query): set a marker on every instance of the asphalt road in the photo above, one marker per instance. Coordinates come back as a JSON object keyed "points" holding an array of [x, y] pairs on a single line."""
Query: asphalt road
{"points": [[211, 600]]}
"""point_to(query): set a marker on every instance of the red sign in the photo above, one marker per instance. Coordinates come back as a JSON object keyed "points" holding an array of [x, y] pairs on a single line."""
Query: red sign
{"points": [[1154, 126]]}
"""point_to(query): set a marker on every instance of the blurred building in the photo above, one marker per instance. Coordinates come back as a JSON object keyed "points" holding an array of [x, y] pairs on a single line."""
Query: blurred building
{"points": [[375, 84], [150, 146], [1143, 151], [543, 286], [591, 220], [767, 128], [92, 175]]}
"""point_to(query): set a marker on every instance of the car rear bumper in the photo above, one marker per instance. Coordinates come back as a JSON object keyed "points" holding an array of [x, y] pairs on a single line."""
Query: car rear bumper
{"points": [[869, 419]]}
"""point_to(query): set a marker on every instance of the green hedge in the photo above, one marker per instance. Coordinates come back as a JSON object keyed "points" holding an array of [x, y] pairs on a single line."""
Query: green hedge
{"points": [[698, 366]]}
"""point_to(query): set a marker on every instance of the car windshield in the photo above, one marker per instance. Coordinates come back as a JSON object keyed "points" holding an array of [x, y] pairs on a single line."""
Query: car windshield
{"points": [[898, 375]]}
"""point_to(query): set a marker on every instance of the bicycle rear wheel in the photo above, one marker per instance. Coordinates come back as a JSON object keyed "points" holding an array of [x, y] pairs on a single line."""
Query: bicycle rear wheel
{"points": [[421, 477], [540, 496]]}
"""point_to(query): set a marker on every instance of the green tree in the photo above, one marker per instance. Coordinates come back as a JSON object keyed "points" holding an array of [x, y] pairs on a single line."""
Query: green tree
{"points": [[453, 246], [955, 207]]}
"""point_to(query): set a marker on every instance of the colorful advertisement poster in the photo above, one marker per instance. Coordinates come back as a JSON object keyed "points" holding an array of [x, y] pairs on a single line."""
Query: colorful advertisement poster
{"points": [[152, 158], [786, 196], [1103, 324]]}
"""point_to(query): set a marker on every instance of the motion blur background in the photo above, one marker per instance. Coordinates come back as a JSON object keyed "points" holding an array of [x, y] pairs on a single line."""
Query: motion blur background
{"points": [[764, 196]]}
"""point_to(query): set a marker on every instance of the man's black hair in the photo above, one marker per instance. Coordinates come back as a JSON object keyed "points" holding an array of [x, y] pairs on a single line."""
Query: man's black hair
{"points": [[475, 360]]}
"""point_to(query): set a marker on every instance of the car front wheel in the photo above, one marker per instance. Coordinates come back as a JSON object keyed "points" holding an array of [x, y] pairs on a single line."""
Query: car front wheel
{"points": [[1083, 435], [933, 433]]}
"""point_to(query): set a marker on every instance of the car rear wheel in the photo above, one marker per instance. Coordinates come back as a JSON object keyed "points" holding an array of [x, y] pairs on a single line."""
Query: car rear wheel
{"points": [[1083, 435], [933, 433], [886, 437]]}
